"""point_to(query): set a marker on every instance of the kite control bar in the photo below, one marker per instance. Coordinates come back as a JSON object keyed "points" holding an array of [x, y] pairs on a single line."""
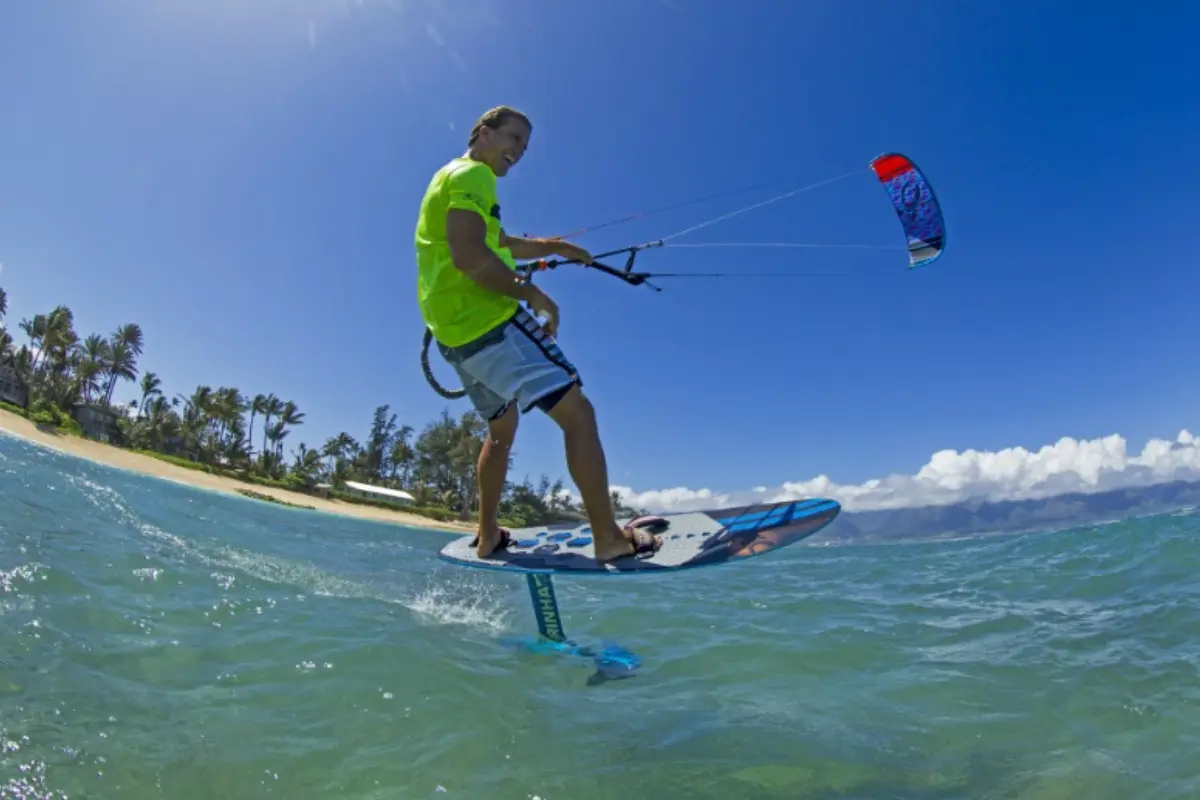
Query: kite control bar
{"points": [[626, 273]]}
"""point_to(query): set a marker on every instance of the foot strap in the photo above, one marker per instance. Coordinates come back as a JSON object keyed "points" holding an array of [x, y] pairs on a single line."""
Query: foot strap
{"points": [[505, 540], [642, 531]]}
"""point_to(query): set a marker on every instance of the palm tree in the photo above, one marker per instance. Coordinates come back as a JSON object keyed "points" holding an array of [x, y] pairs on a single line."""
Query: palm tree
{"points": [[125, 345], [276, 432], [51, 335], [194, 422], [402, 455], [35, 330], [150, 388], [91, 359], [6, 346], [307, 465], [21, 361], [339, 449], [6, 340], [87, 372], [289, 417], [272, 407], [257, 406], [228, 407]]}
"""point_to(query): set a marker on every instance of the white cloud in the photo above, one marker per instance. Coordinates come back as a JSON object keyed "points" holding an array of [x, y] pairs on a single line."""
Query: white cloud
{"points": [[1014, 473]]}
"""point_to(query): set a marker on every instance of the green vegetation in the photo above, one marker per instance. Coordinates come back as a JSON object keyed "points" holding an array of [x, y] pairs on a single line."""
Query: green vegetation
{"points": [[270, 499], [214, 430]]}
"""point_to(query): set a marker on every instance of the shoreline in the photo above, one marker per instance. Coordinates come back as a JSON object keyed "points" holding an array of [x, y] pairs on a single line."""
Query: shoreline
{"points": [[108, 455]]}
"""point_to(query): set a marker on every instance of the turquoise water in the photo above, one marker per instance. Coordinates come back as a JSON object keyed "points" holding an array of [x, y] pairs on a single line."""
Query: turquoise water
{"points": [[158, 641]]}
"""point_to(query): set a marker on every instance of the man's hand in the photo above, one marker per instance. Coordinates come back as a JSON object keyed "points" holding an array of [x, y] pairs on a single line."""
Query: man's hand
{"points": [[572, 252], [542, 306]]}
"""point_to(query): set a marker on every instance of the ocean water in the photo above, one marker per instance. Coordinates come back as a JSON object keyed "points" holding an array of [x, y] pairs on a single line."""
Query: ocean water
{"points": [[162, 642]]}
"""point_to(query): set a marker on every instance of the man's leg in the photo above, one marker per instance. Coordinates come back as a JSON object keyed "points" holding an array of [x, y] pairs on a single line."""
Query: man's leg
{"points": [[574, 413], [490, 474], [475, 363]]}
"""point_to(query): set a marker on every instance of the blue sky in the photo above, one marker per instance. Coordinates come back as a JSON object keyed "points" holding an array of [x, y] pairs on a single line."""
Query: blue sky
{"points": [[243, 182]]}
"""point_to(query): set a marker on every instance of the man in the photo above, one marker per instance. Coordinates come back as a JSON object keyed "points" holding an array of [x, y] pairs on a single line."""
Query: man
{"points": [[509, 363]]}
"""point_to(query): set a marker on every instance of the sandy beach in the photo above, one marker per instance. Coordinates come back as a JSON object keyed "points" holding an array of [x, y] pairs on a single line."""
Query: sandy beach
{"points": [[147, 465]]}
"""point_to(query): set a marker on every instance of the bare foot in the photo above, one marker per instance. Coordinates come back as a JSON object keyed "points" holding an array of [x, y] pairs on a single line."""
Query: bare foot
{"points": [[625, 541], [489, 541]]}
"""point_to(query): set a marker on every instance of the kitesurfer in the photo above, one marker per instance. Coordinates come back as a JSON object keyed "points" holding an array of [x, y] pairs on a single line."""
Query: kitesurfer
{"points": [[509, 362]]}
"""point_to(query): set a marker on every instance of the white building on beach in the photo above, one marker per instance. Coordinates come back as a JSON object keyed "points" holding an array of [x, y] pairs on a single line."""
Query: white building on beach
{"points": [[369, 492]]}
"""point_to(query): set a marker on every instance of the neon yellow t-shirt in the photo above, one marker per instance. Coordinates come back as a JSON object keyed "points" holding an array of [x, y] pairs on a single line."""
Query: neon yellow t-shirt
{"points": [[456, 309]]}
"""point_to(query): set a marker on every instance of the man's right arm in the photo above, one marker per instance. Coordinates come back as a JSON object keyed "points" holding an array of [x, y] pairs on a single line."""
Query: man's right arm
{"points": [[466, 233]]}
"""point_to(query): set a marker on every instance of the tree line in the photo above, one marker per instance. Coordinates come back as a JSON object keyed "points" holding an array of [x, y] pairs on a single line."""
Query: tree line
{"points": [[226, 431]]}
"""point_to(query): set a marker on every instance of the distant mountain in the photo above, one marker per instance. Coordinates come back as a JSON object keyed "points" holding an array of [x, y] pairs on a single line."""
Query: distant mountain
{"points": [[978, 516]]}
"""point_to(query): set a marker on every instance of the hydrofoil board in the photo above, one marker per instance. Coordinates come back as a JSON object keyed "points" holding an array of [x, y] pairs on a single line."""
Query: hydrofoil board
{"points": [[689, 539]]}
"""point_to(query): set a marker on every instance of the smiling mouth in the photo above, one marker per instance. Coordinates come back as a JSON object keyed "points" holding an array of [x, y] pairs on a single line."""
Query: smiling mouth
{"points": [[509, 159]]}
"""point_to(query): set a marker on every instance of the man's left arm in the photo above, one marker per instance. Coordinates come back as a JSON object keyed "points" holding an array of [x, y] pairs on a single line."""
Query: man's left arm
{"points": [[541, 248], [529, 248]]}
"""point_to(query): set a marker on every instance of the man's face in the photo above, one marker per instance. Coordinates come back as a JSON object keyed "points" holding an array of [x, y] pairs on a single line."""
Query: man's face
{"points": [[503, 147]]}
